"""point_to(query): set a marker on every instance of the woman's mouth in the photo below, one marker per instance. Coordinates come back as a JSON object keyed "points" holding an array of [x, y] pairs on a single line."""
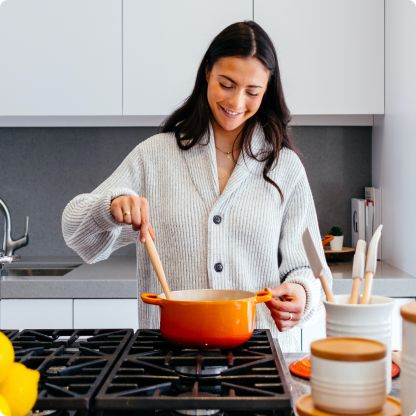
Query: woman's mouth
{"points": [[229, 113]]}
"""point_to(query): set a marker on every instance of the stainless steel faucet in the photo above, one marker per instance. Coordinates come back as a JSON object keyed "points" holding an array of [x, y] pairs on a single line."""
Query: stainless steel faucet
{"points": [[9, 245]]}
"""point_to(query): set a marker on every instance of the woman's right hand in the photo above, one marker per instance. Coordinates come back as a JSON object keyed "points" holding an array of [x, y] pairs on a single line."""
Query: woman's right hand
{"points": [[138, 217]]}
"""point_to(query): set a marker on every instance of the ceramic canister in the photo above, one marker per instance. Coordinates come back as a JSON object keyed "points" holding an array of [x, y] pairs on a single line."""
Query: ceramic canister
{"points": [[348, 375], [408, 360], [371, 321]]}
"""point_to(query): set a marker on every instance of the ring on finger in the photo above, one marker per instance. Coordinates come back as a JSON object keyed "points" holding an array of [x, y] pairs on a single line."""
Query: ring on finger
{"points": [[290, 317], [126, 213]]}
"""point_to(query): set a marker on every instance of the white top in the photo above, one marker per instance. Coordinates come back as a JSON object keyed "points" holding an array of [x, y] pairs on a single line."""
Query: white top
{"points": [[258, 242]]}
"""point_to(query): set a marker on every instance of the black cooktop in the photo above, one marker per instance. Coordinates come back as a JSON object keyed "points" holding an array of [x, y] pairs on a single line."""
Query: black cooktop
{"points": [[108, 372]]}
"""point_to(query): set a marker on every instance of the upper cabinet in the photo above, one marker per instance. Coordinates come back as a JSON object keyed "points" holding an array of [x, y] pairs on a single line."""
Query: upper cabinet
{"points": [[330, 53], [61, 57], [140, 57], [163, 44]]}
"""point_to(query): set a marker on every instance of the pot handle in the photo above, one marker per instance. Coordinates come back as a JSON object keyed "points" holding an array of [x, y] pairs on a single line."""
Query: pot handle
{"points": [[151, 299], [263, 296]]}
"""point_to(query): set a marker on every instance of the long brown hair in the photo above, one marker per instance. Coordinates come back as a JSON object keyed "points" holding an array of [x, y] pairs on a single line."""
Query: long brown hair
{"points": [[190, 121]]}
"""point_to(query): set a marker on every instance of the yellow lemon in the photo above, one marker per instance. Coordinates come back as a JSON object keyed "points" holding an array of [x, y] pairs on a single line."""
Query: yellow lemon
{"points": [[4, 407], [20, 389], [6, 356]]}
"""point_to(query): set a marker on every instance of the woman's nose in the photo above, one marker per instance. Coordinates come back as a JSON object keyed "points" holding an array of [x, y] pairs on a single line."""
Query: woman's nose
{"points": [[237, 101]]}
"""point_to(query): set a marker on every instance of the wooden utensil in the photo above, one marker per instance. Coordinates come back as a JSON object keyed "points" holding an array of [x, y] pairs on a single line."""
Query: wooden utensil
{"points": [[316, 264], [371, 265], [358, 271], [157, 265]]}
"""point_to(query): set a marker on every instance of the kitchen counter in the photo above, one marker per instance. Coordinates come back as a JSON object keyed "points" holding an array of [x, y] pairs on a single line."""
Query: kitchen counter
{"points": [[116, 278]]}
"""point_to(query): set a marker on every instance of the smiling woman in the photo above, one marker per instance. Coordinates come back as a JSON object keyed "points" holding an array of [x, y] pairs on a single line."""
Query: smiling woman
{"points": [[226, 194]]}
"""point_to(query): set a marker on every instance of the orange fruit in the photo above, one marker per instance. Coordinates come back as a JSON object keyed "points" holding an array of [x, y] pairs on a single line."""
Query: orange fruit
{"points": [[6, 356], [20, 389]]}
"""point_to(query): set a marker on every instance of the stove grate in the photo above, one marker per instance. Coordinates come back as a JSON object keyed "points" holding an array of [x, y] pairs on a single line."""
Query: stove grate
{"points": [[10, 333], [73, 363], [150, 376]]}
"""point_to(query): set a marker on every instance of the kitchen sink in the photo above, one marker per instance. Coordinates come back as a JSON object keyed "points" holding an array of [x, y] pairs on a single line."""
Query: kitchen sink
{"points": [[37, 271]]}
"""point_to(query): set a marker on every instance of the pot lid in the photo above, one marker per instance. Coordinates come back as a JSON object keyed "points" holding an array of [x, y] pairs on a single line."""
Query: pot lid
{"points": [[348, 349], [408, 312], [306, 407]]}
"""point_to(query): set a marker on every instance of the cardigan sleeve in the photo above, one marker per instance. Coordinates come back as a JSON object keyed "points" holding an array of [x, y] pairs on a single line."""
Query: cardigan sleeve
{"points": [[294, 265], [88, 226]]}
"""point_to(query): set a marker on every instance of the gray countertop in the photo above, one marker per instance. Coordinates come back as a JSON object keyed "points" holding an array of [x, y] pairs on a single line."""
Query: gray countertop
{"points": [[116, 278]]}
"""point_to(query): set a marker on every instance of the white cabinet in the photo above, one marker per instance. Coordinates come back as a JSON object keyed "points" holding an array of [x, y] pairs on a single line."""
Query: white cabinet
{"points": [[330, 53], [61, 57], [105, 313], [313, 333], [163, 44], [36, 314], [397, 322]]}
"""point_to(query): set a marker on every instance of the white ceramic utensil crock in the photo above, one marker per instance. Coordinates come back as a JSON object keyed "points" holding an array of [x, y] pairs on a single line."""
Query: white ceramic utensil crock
{"points": [[408, 360], [348, 375], [372, 321]]}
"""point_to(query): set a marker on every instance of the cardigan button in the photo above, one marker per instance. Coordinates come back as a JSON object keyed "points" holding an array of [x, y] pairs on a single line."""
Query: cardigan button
{"points": [[218, 267], [216, 219]]}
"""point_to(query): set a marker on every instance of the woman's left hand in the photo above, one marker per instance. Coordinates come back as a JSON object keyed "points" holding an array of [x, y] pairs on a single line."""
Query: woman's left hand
{"points": [[288, 301]]}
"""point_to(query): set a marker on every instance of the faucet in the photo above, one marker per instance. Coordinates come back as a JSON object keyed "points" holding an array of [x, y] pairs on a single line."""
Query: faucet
{"points": [[9, 245]]}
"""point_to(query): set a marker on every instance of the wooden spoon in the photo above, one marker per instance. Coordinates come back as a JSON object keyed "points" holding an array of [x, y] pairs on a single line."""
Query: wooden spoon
{"points": [[157, 265]]}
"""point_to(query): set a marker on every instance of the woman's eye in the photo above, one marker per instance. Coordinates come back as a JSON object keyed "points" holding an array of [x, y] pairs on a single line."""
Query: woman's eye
{"points": [[224, 86], [253, 95]]}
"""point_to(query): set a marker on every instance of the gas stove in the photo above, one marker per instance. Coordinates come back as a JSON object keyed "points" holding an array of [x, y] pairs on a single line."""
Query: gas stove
{"points": [[113, 372]]}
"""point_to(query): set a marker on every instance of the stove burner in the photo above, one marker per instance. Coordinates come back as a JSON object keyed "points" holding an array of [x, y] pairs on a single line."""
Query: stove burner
{"points": [[196, 393], [198, 412], [54, 370], [199, 370]]}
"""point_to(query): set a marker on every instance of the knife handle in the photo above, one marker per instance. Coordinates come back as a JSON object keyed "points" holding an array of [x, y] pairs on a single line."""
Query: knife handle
{"points": [[327, 289], [355, 293]]}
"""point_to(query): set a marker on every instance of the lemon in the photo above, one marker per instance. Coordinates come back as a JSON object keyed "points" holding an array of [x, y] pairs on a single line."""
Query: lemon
{"points": [[20, 389], [6, 356], [4, 407]]}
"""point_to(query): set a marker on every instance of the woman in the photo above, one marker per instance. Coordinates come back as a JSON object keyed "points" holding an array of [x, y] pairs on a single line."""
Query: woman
{"points": [[227, 197]]}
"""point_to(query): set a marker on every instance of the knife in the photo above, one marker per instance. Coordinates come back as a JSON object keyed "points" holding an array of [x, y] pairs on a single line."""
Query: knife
{"points": [[316, 264]]}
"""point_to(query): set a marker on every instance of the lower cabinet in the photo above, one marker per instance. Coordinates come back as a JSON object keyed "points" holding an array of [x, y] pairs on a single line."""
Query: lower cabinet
{"points": [[36, 313], [318, 330], [105, 313]]}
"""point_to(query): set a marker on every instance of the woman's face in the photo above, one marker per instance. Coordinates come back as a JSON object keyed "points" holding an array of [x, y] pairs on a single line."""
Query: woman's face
{"points": [[236, 87]]}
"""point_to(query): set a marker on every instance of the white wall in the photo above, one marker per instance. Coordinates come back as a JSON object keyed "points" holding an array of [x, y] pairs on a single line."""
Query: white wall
{"points": [[394, 137]]}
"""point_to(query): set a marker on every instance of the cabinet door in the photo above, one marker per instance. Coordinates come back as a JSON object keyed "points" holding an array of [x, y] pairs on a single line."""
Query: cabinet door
{"points": [[330, 53], [397, 322], [36, 314], [163, 44], [313, 333], [105, 313], [61, 57]]}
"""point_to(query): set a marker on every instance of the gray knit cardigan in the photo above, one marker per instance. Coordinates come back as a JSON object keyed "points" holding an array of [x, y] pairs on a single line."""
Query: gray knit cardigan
{"points": [[258, 241]]}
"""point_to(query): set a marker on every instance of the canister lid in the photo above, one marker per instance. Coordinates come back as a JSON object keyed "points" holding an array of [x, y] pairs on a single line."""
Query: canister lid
{"points": [[306, 407], [348, 349], [408, 312]]}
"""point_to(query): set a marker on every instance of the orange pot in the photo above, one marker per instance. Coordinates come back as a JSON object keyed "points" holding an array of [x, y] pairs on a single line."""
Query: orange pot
{"points": [[207, 318]]}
